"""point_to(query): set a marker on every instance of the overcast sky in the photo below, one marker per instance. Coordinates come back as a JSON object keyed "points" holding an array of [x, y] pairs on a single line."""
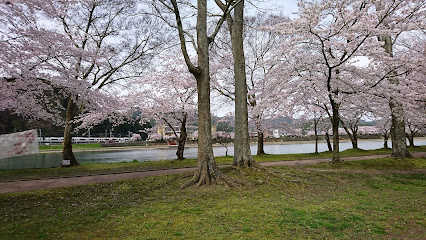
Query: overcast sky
{"points": [[285, 7]]}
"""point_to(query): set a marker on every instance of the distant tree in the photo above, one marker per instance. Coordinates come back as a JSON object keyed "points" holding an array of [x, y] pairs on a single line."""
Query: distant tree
{"points": [[384, 126], [169, 97], [415, 126], [224, 138], [350, 120]]}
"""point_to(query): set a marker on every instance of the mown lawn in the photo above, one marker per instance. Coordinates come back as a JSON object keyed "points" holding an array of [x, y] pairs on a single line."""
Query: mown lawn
{"points": [[352, 200], [105, 168]]}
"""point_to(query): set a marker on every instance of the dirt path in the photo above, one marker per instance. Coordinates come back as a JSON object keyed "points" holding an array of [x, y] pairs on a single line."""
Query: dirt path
{"points": [[29, 185]]}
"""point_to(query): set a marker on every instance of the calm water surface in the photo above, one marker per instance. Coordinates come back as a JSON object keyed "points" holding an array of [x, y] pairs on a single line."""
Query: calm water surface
{"points": [[45, 160]]}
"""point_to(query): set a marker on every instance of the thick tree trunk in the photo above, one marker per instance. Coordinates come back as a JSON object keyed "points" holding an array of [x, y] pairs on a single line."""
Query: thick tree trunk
{"points": [[354, 140], [242, 153], [335, 120], [397, 131], [399, 146], [182, 138], [207, 172], [327, 139], [67, 153], [260, 149]]}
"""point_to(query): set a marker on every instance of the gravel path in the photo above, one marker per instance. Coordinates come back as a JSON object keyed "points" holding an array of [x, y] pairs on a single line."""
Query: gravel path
{"points": [[29, 185]]}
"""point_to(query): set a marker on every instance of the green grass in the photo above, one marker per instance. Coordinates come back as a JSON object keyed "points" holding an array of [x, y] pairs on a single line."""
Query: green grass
{"points": [[104, 168], [355, 201], [378, 163], [74, 146]]}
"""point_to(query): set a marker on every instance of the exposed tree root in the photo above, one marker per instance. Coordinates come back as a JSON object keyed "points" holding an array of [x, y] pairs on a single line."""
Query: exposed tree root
{"points": [[210, 175]]}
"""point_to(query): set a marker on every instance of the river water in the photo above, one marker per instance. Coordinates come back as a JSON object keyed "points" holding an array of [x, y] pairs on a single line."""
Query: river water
{"points": [[45, 160]]}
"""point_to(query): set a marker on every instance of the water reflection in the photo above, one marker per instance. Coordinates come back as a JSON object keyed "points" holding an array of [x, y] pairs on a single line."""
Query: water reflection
{"points": [[45, 160]]}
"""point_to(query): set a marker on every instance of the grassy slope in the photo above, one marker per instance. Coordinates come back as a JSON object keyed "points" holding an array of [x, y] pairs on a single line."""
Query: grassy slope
{"points": [[104, 168], [349, 201]]}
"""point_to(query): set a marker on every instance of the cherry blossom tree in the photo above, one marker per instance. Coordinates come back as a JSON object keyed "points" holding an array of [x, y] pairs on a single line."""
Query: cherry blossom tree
{"points": [[384, 126], [258, 46], [413, 46], [325, 126], [260, 61], [81, 48], [325, 44], [316, 116], [169, 97], [351, 116], [224, 138]]}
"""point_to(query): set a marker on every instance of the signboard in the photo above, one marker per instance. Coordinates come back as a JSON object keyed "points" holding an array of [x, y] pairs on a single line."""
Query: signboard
{"points": [[18, 144]]}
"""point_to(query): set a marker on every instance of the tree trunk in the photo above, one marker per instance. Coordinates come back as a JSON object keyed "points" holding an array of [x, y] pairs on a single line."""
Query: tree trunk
{"points": [[410, 138], [242, 153], [355, 140], [182, 138], [316, 135], [260, 149], [397, 131], [352, 136], [207, 172], [385, 142], [327, 139], [335, 120], [67, 153]]}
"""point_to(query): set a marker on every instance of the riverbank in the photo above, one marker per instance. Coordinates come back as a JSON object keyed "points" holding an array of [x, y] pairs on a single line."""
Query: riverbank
{"points": [[153, 146], [47, 182], [136, 166]]}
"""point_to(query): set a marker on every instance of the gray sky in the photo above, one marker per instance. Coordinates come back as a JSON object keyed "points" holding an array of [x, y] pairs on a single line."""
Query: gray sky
{"points": [[285, 7]]}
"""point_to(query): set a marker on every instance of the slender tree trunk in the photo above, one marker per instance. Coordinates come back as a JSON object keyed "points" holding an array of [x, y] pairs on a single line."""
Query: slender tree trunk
{"points": [[327, 139], [316, 135], [410, 138], [182, 138], [242, 153], [67, 153], [260, 149], [385, 142], [352, 136], [335, 120]]}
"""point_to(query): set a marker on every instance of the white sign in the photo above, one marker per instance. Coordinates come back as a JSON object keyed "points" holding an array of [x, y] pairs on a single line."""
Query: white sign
{"points": [[18, 144]]}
